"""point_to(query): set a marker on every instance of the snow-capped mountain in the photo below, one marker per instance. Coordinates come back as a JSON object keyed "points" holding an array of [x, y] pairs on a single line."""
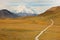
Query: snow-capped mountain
{"points": [[24, 9], [20, 11]]}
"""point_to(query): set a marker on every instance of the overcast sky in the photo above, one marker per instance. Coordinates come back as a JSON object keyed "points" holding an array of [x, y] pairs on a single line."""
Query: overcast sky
{"points": [[39, 5]]}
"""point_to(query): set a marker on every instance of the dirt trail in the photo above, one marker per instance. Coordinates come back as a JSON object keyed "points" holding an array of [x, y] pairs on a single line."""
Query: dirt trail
{"points": [[37, 37]]}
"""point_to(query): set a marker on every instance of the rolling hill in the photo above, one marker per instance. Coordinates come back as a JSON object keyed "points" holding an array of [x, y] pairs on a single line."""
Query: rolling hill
{"points": [[52, 12], [26, 28]]}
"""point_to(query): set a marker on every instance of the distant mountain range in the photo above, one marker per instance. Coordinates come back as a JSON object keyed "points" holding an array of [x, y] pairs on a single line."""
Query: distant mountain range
{"points": [[21, 11], [25, 11], [26, 14], [4, 13]]}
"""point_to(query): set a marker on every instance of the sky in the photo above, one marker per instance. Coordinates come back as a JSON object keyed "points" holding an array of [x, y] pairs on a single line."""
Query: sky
{"points": [[38, 5]]}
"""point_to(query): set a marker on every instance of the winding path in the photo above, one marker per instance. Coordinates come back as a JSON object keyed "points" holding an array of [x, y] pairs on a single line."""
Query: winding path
{"points": [[37, 37]]}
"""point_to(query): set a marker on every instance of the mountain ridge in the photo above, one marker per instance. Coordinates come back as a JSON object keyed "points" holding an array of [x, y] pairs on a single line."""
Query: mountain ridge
{"points": [[52, 12], [4, 13]]}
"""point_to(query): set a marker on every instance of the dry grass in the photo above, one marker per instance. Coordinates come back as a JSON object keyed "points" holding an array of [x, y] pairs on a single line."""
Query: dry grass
{"points": [[27, 28], [52, 33], [21, 29]]}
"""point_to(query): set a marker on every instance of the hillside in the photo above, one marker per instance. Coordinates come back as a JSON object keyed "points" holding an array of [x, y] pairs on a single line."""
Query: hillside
{"points": [[52, 33], [26, 28], [52, 12]]}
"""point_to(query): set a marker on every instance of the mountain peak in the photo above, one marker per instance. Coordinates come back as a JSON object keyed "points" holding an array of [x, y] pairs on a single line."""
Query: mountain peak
{"points": [[24, 9], [4, 10], [4, 13]]}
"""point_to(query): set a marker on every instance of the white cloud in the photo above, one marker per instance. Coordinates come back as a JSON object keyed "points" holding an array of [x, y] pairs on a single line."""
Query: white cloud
{"points": [[13, 4]]}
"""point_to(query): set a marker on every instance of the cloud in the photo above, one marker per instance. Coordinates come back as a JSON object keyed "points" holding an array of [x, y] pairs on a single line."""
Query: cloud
{"points": [[38, 5]]}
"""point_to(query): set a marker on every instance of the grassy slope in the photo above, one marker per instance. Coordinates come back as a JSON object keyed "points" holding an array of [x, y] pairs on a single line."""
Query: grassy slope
{"points": [[21, 29], [53, 33], [27, 28]]}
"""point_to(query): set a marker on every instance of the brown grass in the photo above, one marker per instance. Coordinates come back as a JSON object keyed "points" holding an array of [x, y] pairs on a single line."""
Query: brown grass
{"points": [[21, 29], [26, 28]]}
